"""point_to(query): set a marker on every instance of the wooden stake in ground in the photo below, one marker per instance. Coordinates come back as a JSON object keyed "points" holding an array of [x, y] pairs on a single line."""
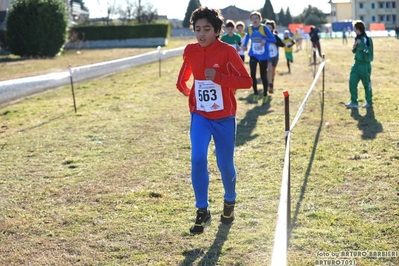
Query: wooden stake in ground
{"points": [[73, 91], [159, 59]]}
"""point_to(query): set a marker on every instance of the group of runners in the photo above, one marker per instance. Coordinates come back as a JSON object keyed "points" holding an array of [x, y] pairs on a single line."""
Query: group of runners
{"points": [[217, 64]]}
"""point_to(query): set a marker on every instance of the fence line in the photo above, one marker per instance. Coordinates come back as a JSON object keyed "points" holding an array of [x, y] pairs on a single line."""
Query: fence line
{"points": [[15, 89], [279, 255], [302, 107]]}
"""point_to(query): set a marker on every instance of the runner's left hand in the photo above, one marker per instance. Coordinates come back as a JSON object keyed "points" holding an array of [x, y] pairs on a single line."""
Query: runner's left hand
{"points": [[210, 73]]}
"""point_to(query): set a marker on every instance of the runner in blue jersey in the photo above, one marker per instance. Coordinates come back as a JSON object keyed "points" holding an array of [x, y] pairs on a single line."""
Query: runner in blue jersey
{"points": [[260, 37]]}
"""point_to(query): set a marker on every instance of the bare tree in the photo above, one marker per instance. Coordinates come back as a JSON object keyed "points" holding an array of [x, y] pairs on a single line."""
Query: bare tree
{"points": [[122, 14], [132, 9], [145, 14], [129, 10], [139, 11], [110, 9]]}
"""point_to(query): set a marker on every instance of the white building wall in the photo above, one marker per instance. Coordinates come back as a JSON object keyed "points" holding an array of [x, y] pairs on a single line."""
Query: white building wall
{"points": [[5, 4], [377, 11]]}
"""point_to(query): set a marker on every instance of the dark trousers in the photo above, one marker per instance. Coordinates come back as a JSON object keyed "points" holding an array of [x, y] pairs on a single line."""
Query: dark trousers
{"points": [[253, 63]]}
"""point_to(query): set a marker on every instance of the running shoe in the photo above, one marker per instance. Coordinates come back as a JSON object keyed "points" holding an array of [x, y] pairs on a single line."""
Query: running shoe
{"points": [[203, 219], [228, 212]]}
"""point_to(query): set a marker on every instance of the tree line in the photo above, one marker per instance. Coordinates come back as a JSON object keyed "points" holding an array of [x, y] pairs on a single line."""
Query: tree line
{"points": [[310, 15], [147, 12]]}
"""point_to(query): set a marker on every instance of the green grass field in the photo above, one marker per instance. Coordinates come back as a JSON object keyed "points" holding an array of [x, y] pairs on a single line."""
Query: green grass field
{"points": [[111, 185]]}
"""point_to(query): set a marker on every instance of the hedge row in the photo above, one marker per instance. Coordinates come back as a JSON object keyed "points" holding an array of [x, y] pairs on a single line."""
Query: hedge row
{"points": [[121, 32], [3, 39]]}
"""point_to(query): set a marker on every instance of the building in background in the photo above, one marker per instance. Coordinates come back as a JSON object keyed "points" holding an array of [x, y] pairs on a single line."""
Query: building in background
{"points": [[341, 10], [74, 10], [236, 14], [372, 11], [369, 11], [4, 5]]}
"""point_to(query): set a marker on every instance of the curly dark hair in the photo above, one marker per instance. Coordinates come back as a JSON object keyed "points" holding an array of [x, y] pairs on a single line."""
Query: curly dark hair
{"points": [[214, 16]]}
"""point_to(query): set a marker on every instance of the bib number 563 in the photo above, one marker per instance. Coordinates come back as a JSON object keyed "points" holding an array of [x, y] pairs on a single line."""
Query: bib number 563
{"points": [[207, 95]]}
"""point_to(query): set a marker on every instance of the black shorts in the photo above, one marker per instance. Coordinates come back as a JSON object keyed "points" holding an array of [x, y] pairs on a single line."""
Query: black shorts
{"points": [[274, 61]]}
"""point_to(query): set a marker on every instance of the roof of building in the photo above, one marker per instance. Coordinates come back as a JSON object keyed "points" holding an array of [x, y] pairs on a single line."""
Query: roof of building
{"points": [[235, 13]]}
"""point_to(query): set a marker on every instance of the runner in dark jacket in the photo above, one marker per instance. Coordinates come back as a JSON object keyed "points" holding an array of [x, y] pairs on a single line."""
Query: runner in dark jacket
{"points": [[315, 39]]}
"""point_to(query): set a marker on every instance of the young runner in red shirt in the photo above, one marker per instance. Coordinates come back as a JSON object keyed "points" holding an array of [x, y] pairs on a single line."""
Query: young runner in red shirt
{"points": [[218, 71]]}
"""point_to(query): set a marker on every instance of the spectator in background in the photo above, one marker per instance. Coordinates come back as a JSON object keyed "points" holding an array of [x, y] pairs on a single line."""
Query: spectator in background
{"points": [[361, 69], [397, 31], [298, 39], [240, 26], [303, 37], [315, 39], [344, 36]]}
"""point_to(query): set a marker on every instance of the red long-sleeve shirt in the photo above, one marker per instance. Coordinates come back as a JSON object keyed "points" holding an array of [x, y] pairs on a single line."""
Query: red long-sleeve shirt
{"points": [[231, 74]]}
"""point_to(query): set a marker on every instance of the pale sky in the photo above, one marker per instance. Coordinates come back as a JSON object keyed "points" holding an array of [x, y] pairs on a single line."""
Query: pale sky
{"points": [[177, 8]]}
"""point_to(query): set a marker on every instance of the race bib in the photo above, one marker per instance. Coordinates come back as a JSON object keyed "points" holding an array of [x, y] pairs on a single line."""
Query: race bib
{"points": [[258, 48], [273, 50], [208, 96]]}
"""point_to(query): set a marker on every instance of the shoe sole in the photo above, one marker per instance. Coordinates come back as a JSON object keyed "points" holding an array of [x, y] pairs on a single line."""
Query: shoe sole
{"points": [[351, 106]]}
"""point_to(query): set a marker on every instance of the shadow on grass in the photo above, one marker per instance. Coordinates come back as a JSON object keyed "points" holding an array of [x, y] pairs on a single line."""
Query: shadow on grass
{"points": [[50, 120], [284, 73], [370, 127], [211, 257], [368, 124], [314, 67], [248, 123], [308, 170]]}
